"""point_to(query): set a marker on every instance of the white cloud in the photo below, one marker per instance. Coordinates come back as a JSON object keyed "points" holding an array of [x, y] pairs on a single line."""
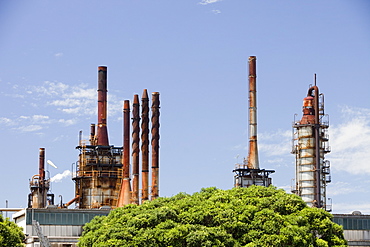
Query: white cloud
{"points": [[78, 100], [67, 122], [275, 144], [58, 55], [350, 142], [205, 2], [29, 128], [50, 88], [5, 121], [342, 188], [216, 11]]}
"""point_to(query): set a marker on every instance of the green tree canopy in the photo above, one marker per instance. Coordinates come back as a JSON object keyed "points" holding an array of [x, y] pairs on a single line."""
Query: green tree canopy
{"points": [[10, 233], [254, 216]]}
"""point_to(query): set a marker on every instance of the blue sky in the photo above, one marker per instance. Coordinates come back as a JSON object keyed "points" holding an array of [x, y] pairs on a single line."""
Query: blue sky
{"points": [[195, 54]]}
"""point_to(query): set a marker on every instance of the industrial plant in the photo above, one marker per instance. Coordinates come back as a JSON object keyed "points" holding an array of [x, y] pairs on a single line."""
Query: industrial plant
{"points": [[105, 176], [108, 176]]}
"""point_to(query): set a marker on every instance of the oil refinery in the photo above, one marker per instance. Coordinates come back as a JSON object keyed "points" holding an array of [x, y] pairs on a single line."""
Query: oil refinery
{"points": [[105, 176], [108, 176]]}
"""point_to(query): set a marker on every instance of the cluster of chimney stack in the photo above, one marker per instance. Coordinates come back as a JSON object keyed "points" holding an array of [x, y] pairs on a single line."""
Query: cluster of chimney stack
{"points": [[129, 192]]}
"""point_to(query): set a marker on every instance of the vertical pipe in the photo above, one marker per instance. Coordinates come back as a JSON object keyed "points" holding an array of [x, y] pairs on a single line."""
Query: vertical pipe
{"points": [[42, 165], [145, 145], [253, 150], [92, 134], [102, 135], [317, 143], [135, 149], [155, 145], [41, 193], [126, 152]]}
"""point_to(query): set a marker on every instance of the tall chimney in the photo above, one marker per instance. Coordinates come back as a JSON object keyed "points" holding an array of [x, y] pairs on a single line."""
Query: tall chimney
{"points": [[135, 149], [92, 134], [42, 164], [125, 190], [102, 131], [155, 145], [145, 145], [253, 150]]}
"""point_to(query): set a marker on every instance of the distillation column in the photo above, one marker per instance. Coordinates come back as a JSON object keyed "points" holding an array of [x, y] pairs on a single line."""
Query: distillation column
{"points": [[310, 144]]}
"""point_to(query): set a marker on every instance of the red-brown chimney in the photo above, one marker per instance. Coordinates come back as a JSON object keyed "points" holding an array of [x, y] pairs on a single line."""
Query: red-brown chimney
{"points": [[102, 131]]}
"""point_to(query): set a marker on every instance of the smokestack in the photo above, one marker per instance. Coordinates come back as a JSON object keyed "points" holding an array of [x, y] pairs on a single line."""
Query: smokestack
{"points": [[253, 150], [125, 190], [135, 149], [92, 134], [155, 145], [102, 135], [145, 145], [42, 164]]}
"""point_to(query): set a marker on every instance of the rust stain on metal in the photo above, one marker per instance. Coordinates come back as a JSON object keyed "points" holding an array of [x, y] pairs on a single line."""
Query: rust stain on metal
{"points": [[125, 197], [135, 149], [253, 149], [98, 175], [42, 164], [145, 145], [92, 134], [155, 145], [102, 132]]}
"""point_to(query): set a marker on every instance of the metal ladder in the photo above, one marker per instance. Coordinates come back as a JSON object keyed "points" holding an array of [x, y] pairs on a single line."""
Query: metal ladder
{"points": [[44, 241]]}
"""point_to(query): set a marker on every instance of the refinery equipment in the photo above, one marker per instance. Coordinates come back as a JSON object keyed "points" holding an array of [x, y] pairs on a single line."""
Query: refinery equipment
{"points": [[249, 173], [39, 186], [310, 144], [102, 176]]}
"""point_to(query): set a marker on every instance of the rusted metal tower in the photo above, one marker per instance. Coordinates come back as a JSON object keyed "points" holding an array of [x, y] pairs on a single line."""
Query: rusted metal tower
{"points": [[103, 172], [135, 149], [249, 173], [39, 186], [125, 195], [155, 146], [145, 145], [98, 174], [310, 144]]}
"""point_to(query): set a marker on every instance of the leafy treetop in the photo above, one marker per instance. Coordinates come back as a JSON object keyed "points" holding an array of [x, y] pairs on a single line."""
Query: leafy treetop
{"points": [[254, 216], [10, 233]]}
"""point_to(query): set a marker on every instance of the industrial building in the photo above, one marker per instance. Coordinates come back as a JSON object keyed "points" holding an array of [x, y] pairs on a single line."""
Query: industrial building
{"points": [[108, 176], [102, 175]]}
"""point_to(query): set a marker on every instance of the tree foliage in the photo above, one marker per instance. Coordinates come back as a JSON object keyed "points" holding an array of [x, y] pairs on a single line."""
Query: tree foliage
{"points": [[10, 233], [254, 216]]}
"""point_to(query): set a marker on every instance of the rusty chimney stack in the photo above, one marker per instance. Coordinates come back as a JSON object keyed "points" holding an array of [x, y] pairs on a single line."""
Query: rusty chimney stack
{"points": [[92, 134], [155, 145], [253, 150], [145, 145], [102, 131], [42, 164], [125, 196], [135, 149]]}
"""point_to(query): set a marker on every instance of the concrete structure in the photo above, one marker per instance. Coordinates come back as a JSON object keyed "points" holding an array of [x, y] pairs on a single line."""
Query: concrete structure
{"points": [[58, 227], [356, 228]]}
